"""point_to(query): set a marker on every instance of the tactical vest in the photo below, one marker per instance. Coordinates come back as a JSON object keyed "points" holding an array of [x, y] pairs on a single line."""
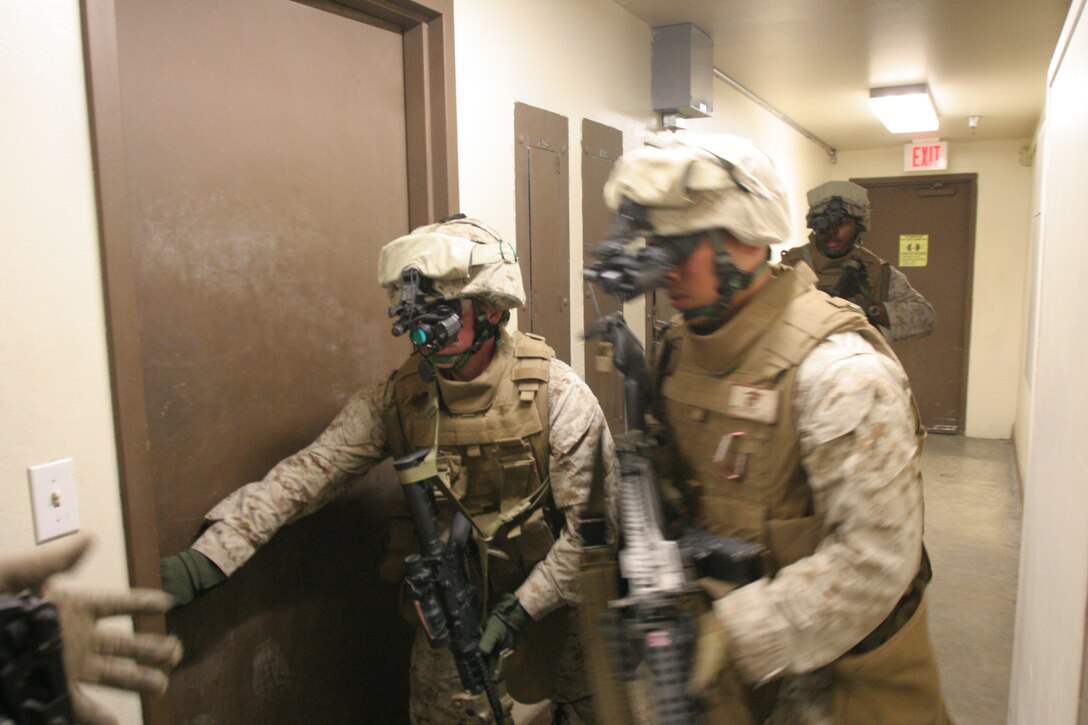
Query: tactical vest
{"points": [[728, 400], [493, 444], [828, 271]]}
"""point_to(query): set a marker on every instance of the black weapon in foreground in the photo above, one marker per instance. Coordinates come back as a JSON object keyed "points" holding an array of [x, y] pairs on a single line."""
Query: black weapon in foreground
{"points": [[648, 624], [438, 583], [33, 688]]}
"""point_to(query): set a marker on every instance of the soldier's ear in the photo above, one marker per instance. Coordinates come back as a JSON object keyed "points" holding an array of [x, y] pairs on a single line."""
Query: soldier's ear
{"points": [[494, 314]]}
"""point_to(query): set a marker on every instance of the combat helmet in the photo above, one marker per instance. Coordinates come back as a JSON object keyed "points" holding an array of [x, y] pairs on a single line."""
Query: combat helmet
{"points": [[680, 188], [455, 258], [828, 203]]}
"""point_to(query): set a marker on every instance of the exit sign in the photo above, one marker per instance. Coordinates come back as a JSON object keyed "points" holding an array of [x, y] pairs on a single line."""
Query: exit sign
{"points": [[925, 156]]}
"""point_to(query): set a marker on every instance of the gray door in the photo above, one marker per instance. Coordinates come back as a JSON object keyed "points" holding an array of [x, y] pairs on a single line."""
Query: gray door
{"points": [[926, 226], [543, 223], [266, 149]]}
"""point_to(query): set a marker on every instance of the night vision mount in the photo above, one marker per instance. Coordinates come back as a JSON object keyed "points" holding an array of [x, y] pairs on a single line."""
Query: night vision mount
{"points": [[430, 320]]}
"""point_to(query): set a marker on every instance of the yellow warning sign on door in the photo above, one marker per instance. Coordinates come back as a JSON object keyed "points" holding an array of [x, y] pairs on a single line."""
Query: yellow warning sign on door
{"points": [[913, 250]]}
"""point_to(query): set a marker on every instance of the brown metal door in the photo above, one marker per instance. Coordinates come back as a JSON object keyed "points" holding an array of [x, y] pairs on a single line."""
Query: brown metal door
{"points": [[926, 226], [265, 161], [543, 223], [601, 146]]}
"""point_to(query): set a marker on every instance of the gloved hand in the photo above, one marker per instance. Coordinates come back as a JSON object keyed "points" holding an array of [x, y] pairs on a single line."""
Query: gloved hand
{"points": [[508, 618], [711, 651], [93, 653], [187, 575]]}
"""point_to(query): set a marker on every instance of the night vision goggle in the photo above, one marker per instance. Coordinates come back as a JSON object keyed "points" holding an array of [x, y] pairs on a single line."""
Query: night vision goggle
{"points": [[431, 321], [832, 215], [627, 275]]}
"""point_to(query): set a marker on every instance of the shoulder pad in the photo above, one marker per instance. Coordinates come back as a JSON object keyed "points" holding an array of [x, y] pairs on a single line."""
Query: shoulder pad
{"points": [[528, 345]]}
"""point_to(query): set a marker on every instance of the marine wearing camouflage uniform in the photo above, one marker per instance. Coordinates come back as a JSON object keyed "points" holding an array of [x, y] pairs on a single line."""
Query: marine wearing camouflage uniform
{"points": [[792, 424], [573, 452], [909, 313]]}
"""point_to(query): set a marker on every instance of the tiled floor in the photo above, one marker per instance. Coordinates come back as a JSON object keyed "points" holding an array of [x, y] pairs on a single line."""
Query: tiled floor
{"points": [[973, 537]]}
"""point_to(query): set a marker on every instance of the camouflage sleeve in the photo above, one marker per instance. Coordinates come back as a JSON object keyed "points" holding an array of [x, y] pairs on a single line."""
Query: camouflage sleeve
{"points": [[297, 485], [582, 453], [909, 313], [859, 452]]}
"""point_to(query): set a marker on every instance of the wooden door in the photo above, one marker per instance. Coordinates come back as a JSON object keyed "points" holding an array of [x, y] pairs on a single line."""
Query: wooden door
{"points": [[601, 146], [253, 157], [925, 226], [543, 223]]}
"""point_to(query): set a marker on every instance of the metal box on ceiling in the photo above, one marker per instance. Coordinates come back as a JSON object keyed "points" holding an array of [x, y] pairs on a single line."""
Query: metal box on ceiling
{"points": [[683, 71]]}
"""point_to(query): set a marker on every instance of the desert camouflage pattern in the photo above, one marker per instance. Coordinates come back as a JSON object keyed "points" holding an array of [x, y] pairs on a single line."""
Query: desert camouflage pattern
{"points": [[910, 314], [355, 441], [858, 448]]}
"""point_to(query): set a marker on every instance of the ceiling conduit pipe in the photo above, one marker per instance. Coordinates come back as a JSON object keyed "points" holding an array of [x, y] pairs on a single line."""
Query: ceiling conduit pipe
{"points": [[831, 152]]}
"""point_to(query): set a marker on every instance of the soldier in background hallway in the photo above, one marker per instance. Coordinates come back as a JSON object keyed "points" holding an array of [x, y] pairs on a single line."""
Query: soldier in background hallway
{"points": [[519, 434], [789, 423], [839, 211]]}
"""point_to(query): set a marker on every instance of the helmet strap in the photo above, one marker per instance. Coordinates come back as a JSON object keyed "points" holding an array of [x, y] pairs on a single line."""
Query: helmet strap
{"points": [[731, 280], [484, 330]]}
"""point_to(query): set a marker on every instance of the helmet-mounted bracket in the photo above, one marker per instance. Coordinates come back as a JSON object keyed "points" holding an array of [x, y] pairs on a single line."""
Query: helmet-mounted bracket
{"points": [[430, 320]]}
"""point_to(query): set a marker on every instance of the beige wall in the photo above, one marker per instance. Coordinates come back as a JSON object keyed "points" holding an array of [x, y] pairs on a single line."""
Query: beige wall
{"points": [[1002, 238], [1049, 643], [54, 381], [578, 58], [581, 59]]}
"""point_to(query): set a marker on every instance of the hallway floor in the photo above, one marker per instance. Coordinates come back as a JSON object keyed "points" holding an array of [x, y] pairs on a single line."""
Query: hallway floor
{"points": [[973, 537]]}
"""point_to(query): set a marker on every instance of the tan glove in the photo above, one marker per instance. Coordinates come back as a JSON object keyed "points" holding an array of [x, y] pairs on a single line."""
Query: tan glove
{"points": [[94, 653]]}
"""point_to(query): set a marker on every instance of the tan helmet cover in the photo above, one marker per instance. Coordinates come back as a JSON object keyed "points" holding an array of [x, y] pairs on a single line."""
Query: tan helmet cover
{"points": [[855, 199], [464, 258], [696, 183]]}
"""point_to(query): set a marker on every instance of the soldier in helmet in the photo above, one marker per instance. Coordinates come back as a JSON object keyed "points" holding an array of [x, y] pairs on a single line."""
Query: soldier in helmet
{"points": [[839, 212], [789, 422], [520, 439]]}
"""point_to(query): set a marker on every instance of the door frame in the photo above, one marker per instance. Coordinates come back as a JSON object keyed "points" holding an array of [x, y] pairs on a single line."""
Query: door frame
{"points": [[972, 182], [431, 133]]}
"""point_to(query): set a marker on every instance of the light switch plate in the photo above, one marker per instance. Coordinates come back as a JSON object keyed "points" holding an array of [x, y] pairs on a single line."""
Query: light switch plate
{"points": [[53, 499]]}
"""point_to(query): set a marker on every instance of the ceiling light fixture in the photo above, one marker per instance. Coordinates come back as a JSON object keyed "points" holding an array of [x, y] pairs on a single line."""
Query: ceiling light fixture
{"points": [[904, 109]]}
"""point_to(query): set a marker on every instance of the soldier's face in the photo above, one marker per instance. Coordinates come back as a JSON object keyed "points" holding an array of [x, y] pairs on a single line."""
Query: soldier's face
{"points": [[837, 237], [694, 282]]}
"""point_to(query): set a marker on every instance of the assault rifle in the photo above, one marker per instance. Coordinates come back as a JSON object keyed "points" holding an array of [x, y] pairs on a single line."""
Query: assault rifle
{"points": [[438, 583], [648, 623], [33, 688], [854, 275]]}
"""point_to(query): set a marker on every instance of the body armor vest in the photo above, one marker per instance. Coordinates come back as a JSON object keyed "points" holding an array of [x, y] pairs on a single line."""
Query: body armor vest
{"points": [[728, 401], [493, 447], [828, 271]]}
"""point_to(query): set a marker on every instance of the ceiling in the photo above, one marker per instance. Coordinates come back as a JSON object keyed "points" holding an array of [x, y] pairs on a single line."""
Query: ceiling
{"points": [[815, 60]]}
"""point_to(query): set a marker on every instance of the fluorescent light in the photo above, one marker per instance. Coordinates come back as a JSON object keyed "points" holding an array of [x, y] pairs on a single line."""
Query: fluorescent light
{"points": [[904, 109]]}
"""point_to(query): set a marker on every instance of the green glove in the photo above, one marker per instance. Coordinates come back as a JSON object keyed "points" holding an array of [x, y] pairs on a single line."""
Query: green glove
{"points": [[711, 649], [507, 620], [187, 575]]}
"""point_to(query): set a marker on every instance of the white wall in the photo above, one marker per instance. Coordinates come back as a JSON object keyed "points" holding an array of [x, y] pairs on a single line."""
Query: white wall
{"points": [[1021, 430], [1002, 241], [1049, 644], [54, 381]]}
